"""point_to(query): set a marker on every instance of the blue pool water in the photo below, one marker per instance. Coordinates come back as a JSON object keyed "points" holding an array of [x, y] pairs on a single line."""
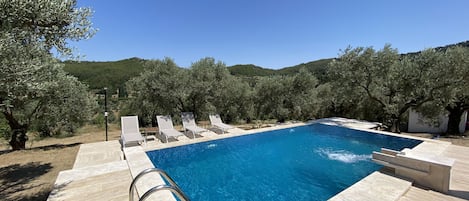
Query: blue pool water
{"points": [[312, 162]]}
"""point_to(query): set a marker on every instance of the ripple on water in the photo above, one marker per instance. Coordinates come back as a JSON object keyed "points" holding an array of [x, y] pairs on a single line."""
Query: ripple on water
{"points": [[342, 155]]}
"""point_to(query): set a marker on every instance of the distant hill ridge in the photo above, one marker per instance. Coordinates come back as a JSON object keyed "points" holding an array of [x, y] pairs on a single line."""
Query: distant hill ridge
{"points": [[114, 74]]}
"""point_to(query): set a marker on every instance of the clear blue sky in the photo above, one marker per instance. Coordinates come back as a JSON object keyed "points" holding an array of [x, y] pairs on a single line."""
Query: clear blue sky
{"points": [[267, 33]]}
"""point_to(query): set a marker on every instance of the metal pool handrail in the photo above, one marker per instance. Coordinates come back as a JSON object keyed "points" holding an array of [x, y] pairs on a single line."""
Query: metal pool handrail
{"points": [[173, 187]]}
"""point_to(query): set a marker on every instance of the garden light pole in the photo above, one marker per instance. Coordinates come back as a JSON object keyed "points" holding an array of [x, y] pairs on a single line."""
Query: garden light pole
{"points": [[105, 108]]}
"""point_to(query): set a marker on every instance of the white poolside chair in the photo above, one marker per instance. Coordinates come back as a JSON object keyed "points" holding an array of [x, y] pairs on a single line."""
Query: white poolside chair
{"points": [[216, 121], [188, 122], [130, 131], [166, 128]]}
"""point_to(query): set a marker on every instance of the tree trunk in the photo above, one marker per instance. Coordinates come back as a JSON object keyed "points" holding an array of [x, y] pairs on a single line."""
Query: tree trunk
{"points": [[18, 139], [396, 123], [18, 135], [454, 119], [395, 126]]}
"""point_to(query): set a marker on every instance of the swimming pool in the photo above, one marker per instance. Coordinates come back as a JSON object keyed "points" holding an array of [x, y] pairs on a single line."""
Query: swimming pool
{"points": [[312, 162]]}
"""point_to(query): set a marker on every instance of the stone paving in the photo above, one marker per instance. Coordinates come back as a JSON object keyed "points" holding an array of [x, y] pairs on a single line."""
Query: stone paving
{"points": [[109, 181]]}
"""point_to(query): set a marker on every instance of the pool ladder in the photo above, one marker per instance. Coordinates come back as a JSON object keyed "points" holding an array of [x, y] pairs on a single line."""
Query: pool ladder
{"points": [[172, 187]]}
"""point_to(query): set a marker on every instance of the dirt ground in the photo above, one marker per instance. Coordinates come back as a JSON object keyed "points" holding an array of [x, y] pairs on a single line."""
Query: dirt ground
{"points": [[30, 174], [461, 140]]}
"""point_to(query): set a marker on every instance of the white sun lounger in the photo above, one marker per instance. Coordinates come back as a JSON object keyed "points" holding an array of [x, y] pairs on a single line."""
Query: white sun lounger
{"points": [[166, 128], [188, 122], [130, 131], [215, 120]]}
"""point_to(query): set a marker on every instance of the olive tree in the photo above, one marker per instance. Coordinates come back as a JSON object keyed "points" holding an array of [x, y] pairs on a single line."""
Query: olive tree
{"points": [[67, 106], [459, 101], [162, 88], [303, 99], [206, 76], [206, 87], [233, 100], [215, 90], [396, 83], [271, 96], [337, 100], [288, 97], [456, 100], [29, 30]]}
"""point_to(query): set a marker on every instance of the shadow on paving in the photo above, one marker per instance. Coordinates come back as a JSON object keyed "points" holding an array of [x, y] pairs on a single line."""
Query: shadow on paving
{"points": [[46, 148], [42, 195], [56, 146], [460, 194], [14, 178]]}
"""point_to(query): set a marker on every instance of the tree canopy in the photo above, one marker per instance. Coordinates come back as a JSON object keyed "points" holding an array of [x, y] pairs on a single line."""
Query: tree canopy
{"points": [[396, 83], [288, 97], [364, 83], [208, 87], [165, 88], [30, 76]]}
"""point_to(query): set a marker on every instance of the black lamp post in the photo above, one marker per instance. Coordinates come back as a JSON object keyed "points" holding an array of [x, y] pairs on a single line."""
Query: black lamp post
{"points": [[105, 108]]}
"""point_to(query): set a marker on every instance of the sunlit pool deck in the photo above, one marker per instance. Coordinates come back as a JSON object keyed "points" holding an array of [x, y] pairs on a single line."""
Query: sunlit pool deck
{"points": [[102, 171]]}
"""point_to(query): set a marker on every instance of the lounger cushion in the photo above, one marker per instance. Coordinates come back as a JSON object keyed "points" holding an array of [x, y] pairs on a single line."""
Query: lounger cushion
{"points": [[171, 132], [195, 129]]}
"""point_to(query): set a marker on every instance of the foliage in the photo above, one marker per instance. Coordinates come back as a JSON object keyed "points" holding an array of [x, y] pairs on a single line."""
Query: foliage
{"points": [[4, 128], [337, 100], [287, 97], [114, 74], [165, 88], [45, 24], [396, 83], [363, 83], [29, 30], [160, 89], [100, 121], [216, 91], [206, 75], [455, 101], [251, 92], [67, 106]]}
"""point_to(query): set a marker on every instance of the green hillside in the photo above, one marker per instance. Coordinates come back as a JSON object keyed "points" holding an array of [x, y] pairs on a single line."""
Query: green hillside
{"points": [[98, 75], [464, 44], [250, 70], [318, 68]]}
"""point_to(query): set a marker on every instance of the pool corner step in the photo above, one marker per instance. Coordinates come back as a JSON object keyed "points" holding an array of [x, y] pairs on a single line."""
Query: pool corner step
{"points": [[374, 186], [108, 181]]}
